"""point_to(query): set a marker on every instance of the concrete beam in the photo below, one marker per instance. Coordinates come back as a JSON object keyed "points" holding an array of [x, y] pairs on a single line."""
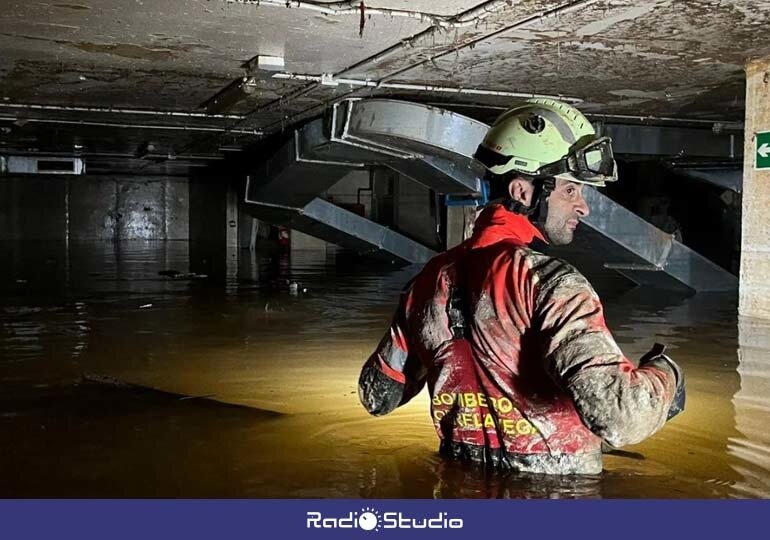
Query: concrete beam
{"points": [[754, 296]]}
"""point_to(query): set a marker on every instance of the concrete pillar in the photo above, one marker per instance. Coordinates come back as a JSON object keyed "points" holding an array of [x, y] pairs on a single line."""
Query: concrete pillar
{"points": [[231, 216], [383, 190], [214, 245], [232, 238], [248, 227], [415, 212], [459, 224], [754, 296]]}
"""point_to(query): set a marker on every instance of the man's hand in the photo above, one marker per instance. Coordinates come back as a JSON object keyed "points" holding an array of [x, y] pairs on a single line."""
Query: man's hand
{"points": [[656, 357]]}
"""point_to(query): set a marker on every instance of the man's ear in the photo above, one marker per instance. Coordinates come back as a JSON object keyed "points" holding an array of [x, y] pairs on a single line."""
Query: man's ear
{"points": [[521, 190]]}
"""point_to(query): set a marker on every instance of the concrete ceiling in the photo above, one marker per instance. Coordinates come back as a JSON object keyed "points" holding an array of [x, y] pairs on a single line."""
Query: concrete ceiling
{"points": [[666, 58]]}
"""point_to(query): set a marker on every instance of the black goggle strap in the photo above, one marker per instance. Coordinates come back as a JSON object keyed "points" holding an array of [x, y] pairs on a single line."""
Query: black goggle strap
{"points": [[554, 169]]}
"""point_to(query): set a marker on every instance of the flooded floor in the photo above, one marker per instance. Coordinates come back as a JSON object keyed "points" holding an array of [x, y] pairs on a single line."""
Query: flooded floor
{"points": [[267, 353]]}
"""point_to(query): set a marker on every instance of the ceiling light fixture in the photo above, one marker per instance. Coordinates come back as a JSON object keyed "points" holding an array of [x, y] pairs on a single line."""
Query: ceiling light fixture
{"points": [[263, 62]]}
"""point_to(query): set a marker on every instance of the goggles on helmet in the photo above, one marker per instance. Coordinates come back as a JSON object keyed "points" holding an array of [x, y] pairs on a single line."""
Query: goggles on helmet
{"points": [[593, 164]]}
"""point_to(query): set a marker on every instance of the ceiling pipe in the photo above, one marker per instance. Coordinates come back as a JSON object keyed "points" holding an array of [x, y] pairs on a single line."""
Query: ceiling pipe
{"points": [[329, 80], [111, 110], [23, 121], [132, 156]]}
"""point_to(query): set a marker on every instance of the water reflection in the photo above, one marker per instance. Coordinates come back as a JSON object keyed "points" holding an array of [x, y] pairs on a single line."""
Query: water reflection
{"points": [[751, 446], [237, 332]]}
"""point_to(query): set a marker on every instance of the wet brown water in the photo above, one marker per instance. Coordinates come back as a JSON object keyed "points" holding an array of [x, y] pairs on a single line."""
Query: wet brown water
{"points": [[240, 337]]}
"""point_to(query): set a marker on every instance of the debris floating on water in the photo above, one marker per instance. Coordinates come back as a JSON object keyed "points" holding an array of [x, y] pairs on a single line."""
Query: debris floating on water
{"points": [[176, 274]]}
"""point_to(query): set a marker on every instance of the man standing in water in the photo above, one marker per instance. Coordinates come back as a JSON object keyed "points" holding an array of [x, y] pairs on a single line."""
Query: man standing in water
{"points": [[522, 370]]}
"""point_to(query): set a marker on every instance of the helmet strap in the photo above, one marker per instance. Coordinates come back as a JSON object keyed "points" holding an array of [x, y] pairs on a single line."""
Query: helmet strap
{"points": [[538, 210], [518, 207], [543, 189]]}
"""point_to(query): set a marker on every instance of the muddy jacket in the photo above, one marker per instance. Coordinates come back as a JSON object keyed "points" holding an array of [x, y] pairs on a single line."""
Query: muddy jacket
{"points": [[530, 377]]}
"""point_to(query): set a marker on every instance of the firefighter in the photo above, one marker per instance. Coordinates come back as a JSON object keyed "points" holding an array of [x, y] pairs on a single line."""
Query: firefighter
{"points": [[522, 371]]}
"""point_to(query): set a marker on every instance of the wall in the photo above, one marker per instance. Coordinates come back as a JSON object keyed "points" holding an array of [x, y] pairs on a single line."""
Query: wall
{"points": [[39, 207], [346, 191], [412, 206]]}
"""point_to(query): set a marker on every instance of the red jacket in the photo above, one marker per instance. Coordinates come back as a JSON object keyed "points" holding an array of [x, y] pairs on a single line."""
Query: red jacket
{"points": [[537, 382]]}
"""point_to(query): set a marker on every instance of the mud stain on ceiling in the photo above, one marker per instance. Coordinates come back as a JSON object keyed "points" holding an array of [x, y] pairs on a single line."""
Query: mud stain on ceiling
{"points": [[126, 50]]}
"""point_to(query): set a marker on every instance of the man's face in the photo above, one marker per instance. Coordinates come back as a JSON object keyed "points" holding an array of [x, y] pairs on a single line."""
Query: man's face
{"points": [[566, 206]]}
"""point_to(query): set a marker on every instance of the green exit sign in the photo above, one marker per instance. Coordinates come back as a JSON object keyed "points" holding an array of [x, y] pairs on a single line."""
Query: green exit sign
{"points": [[762, 152]]}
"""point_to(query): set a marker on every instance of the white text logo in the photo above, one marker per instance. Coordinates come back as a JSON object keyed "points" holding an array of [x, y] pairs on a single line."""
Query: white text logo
{"points": [[369, 519]]}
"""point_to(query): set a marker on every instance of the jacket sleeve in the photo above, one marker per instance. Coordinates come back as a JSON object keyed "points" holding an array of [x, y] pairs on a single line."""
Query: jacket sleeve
{"points": [[392, 375], [617, 401]]}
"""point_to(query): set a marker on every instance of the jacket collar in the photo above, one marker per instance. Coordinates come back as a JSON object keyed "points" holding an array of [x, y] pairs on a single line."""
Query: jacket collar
{"points": [[496, 223]]}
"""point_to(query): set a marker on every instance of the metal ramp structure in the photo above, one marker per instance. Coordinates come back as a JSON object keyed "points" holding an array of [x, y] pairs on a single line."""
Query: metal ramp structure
{"points": [[434, 147], [324, 220], [648, 256]]}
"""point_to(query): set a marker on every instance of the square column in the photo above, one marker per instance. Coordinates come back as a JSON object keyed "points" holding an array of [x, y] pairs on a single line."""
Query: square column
{"points": [[754, 295]]}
